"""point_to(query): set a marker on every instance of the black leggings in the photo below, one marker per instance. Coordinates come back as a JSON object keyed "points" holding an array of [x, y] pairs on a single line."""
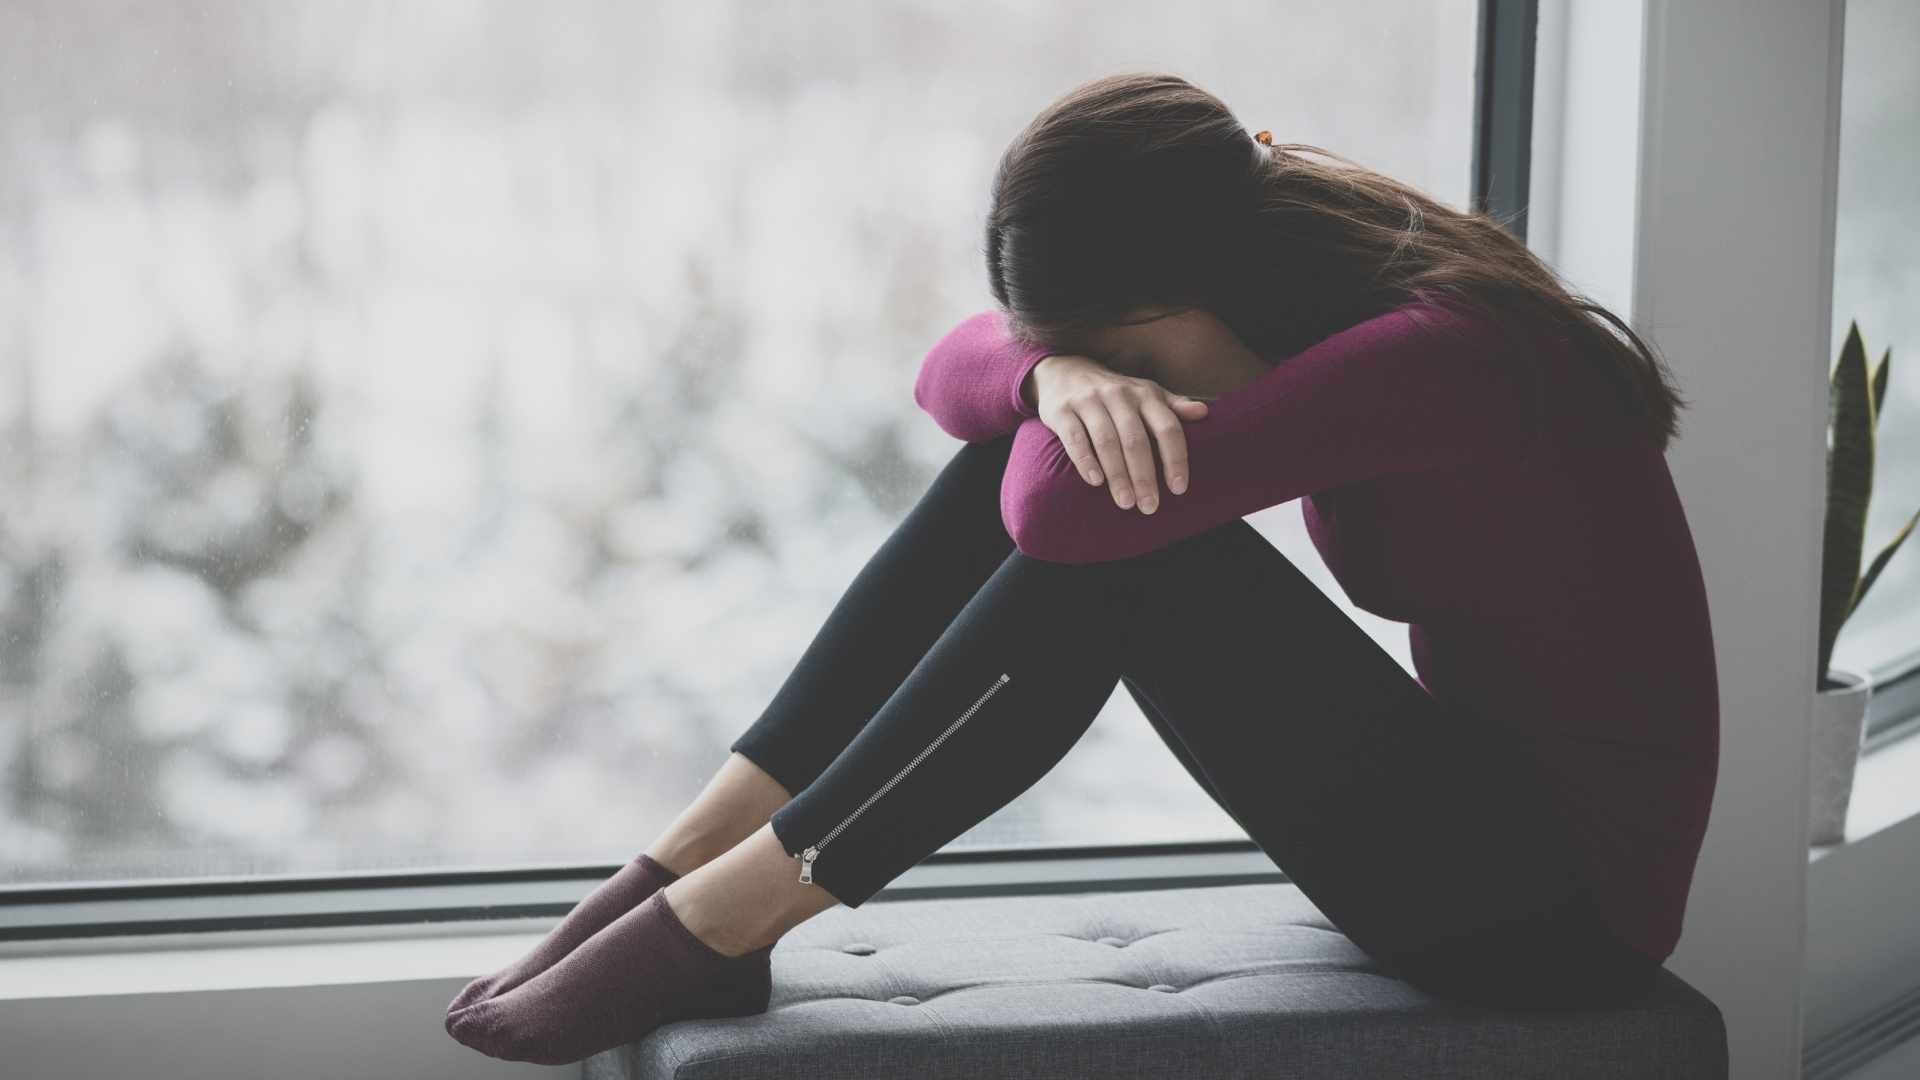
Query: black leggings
{"points": [[957, 670]]}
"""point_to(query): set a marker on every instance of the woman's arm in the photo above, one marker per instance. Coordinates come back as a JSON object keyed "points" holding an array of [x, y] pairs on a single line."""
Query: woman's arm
{"points": [[970, 380], [1423, 386]]}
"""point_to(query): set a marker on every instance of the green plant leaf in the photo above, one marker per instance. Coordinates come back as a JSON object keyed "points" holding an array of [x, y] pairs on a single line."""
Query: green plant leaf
{"points": [[1849, 488], [1880, 561], [1880, 386]]}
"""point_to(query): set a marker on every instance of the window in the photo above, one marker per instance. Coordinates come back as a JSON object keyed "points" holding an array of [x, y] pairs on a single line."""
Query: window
{"points": [[1876, 277], [433, 430]]}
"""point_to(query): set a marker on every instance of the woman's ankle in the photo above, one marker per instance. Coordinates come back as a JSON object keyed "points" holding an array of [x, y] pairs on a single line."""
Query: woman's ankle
{"points": [[686, 849]]}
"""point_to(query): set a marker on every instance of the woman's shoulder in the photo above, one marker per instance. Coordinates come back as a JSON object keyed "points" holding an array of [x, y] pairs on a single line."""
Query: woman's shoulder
{"points": [[1525, 344], [1563, 388], [1479, 321]]}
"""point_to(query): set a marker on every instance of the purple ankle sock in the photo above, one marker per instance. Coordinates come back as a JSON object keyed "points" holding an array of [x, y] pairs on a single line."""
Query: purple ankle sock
{"points": [[643, 970], [612, 898]]}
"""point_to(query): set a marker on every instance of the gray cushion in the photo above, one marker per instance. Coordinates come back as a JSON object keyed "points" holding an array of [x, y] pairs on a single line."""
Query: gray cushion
{"points": [[1225, 981]]}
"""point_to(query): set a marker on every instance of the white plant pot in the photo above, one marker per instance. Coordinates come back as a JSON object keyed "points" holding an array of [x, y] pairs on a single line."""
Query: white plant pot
{"points": [[1839, 722]]}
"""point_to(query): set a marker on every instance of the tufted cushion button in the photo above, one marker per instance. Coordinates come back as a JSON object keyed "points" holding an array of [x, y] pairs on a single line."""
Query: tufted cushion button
{"points": [[1162, 987], [904, 999], [861, 948], [1114, 941]]}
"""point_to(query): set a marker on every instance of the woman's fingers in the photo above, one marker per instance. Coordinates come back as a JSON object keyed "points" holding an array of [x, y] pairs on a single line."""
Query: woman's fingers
{"points": [[1106, 445], [1171, 438], [1111, 426], [1073, 436], [1137, 448]]}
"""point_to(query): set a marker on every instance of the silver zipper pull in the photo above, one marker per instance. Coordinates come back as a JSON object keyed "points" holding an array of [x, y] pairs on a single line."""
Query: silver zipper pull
{"points": [[806, 864]]}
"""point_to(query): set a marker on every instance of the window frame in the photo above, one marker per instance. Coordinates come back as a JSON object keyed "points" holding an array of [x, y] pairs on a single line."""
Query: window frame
{"points": [[1503, 110], [1893, 708], [1501, 156]]}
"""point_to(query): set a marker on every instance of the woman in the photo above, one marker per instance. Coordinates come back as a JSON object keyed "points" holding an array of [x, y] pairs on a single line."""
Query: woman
{"points": [[1196, 324]]}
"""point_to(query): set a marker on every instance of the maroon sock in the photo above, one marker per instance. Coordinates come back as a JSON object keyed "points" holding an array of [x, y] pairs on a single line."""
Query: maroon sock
{"points": [[643, 970], [612, 898]]}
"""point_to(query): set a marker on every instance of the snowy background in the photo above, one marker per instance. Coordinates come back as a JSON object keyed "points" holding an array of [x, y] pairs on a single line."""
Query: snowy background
{"points": [[431, 430], [1876, 281]]}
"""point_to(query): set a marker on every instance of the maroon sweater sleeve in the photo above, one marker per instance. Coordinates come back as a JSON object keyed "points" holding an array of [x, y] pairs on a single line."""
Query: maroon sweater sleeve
{"points": [[970, 380], [1423, 386]]}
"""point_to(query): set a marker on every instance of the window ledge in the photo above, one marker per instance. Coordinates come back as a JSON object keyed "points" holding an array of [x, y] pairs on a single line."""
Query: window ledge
{"points": [[1862, 941], [182, 963], [457, 950]]}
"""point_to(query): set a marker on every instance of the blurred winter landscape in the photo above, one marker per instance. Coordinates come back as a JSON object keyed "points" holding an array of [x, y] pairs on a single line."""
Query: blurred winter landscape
{"points": [[1876, 280], [432, 430]]}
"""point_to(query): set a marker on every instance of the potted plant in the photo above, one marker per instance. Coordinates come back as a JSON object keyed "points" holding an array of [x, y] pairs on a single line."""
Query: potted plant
{"points": [[1854, 400]]}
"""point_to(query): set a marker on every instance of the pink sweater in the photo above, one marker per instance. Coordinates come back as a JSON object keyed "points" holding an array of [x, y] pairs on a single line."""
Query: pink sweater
{"points": [[1452, 480]]}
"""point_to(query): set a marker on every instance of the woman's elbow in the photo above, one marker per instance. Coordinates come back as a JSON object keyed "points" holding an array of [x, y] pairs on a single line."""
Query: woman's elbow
{"points": [[1035, 543], [927, 397], [1045, 524], [1024, 514]]}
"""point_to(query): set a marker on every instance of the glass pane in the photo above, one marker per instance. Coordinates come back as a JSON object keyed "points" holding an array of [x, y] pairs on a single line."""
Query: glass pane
{"points": [[433, 430], [1876, 282]]}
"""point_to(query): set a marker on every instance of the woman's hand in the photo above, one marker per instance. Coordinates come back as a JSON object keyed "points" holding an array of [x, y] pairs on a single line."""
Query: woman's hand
{"points": [[1110, 424]]}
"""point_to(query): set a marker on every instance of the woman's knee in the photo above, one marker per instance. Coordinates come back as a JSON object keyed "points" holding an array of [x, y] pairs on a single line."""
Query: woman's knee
{"points": [[962, 503], [976, 470], [984, 459], [1218, 571]]}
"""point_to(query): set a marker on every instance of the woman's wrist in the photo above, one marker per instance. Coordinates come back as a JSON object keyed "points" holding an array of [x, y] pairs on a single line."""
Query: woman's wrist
{"points": [[1030, 385]]}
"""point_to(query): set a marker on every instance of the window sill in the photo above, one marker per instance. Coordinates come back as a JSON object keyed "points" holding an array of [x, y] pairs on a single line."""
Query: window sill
{"points": [[1862, 941], [461, 949]]}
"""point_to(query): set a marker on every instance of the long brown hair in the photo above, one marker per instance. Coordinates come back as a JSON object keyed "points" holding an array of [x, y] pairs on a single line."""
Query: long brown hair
{"points": [[1142, 189]]}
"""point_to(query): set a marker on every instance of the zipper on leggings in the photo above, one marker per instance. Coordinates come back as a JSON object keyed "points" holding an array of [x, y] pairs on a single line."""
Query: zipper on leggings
{"points": [[812, 851]]}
